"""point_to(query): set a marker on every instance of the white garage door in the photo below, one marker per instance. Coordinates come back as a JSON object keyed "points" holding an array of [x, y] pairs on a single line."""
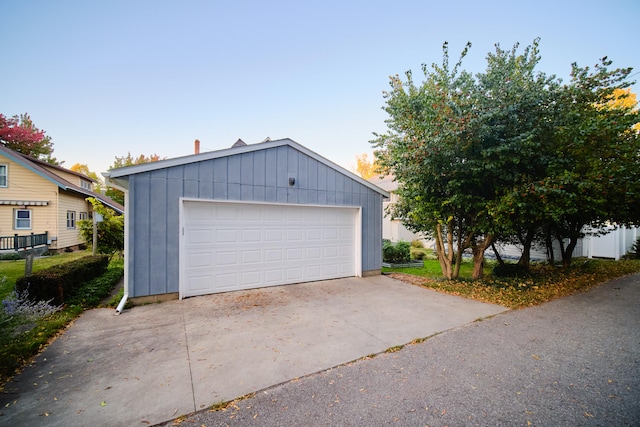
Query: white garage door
{"points": [[232, 246]]}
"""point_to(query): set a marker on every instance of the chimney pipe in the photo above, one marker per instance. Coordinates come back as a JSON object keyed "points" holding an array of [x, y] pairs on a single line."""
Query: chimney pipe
{"points": [[196, 144]]}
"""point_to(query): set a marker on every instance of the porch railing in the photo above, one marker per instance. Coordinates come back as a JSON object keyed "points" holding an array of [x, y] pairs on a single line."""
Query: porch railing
{"points": [[15, 242]]}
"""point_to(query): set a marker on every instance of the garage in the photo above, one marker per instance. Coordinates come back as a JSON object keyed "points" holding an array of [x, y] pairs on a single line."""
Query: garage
{"points": [[230, 246], [250, 216]]}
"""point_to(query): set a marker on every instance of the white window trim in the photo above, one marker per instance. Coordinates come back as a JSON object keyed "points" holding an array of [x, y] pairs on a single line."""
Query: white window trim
{"points": [[6, 175], [15, 219], [71, 218]]}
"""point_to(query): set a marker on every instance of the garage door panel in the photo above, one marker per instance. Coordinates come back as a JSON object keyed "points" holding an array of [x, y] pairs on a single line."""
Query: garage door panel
{"points": [[251, 236], [251, 257], [226, 258], [273, 235], [241, 246]]}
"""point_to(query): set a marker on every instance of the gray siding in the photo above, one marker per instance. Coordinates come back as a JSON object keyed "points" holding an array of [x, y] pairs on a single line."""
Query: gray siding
{"points": [[254, 176]]}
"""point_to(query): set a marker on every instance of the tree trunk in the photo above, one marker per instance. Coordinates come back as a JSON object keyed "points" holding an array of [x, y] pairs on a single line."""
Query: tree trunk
{"points": [[478, 263], [497, 254], [551, 257], [567, 254], [479, 249], [445, 259], [525, 258]]}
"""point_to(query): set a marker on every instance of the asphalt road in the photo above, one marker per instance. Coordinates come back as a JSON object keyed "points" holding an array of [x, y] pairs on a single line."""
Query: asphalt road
{"points": [[570, 362]]}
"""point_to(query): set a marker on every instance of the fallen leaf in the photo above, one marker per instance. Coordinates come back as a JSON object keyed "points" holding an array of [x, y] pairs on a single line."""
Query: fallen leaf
{"points": [[535, 357], [103, 403]]}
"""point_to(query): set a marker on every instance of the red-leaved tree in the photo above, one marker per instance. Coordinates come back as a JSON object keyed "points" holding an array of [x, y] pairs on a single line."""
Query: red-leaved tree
{"points": [[18, 133]]}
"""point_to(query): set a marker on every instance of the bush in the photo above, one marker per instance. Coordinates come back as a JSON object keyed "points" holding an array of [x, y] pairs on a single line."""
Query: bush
{"points": [[396, 254], [510, 270], [91, 293], [18, 310], [417, 244], [418, 254], [63, 280], [634, 252]]}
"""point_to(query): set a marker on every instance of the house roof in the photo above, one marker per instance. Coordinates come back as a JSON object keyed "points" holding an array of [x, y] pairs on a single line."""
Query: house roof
{"points": [[114, 174], [387, 182], [42, 168]]}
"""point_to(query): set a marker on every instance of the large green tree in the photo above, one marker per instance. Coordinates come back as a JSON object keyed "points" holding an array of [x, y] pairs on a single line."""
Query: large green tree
{"points": [[592, 177], [427, 148], [509, 154]]}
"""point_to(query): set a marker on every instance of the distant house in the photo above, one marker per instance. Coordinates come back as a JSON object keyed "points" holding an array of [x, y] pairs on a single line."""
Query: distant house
{"points": [[40, 203], [392, 228]]}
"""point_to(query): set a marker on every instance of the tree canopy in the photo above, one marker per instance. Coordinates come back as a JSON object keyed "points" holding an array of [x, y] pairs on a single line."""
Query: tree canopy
{"points": [[18, 133], [124, 161], [510, 154], [364, 167]]}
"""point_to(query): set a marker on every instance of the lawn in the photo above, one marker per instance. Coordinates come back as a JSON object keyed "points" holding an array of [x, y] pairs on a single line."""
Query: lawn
{"points": [[13, 270], [543, 284], [21, 336], [432, 269]]}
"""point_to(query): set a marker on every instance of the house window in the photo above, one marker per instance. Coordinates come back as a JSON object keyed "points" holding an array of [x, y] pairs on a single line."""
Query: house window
{"points": [[22, 219], [85, 184], [71, 219], [83, 215], [3, 175]]}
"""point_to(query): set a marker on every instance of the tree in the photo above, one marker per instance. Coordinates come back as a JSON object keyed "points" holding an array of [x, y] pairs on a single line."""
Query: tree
{"points": [[110, 230], [364, 167], [593, 173], [84, 169], [128, 160], [427, 148], [510, 154], [18, 133]]}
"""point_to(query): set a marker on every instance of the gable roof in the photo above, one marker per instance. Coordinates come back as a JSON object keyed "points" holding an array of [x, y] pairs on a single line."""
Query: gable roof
{"points": [[114, 174], [41, 168]]}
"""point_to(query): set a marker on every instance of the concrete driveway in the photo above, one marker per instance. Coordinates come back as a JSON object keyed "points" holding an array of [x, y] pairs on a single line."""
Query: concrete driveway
{"points": [[156, 362]]}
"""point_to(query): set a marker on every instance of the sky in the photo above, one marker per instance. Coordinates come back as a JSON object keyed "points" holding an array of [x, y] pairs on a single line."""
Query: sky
{"points": [[107, 78]]}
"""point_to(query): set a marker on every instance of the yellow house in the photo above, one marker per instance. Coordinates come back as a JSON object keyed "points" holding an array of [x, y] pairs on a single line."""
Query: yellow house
{"points": [[43, 200]]}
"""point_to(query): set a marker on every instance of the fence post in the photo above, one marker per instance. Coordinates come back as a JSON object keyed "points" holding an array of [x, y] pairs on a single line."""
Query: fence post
{"points": [[31, 245], [15, 242], [28, 265]]}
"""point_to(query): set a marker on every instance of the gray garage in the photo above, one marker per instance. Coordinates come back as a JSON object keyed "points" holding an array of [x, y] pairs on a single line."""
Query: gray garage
{"points": [[250, 216]]}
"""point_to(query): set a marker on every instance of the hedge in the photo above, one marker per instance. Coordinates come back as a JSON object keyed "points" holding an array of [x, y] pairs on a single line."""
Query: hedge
{"points": [[62, 281]]}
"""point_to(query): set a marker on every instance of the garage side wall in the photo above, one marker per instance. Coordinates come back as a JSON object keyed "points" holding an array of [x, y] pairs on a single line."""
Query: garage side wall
{"points": [[261, 176]]}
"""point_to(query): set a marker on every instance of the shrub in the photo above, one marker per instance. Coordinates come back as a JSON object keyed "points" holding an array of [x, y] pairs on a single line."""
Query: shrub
{"points": [[418, 254], [63, 280], [396, 254], [417, 244], [634, 252], [18, 310], [510, 270], [91, 293]]}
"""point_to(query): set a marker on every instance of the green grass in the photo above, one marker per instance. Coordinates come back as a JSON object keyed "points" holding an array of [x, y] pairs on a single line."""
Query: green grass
{"points": [[432, 269], [13, 270], [17, 348]]}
